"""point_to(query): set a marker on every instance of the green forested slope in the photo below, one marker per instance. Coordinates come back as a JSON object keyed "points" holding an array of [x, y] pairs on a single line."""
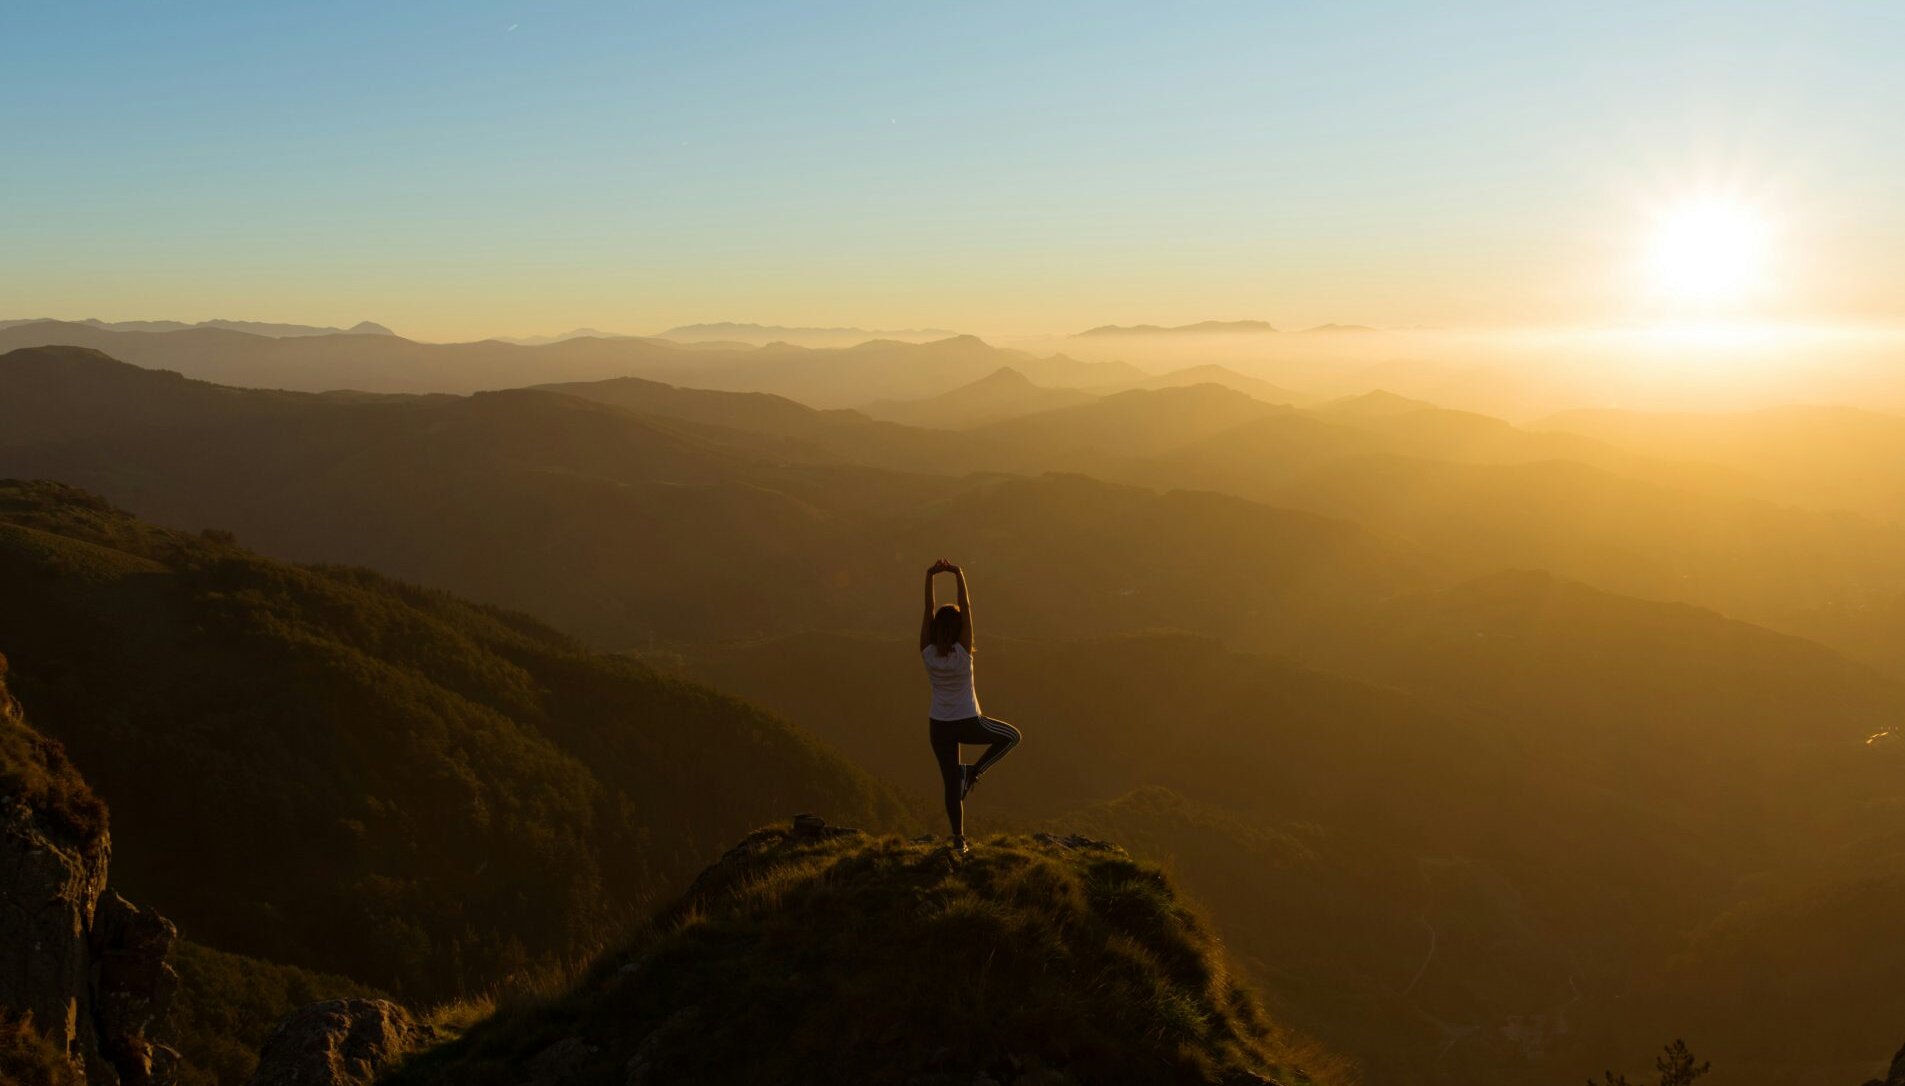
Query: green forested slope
{"points": [[324, 767]]}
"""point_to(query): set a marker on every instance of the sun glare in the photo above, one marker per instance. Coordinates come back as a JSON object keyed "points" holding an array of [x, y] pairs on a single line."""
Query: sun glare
{"points": [[1710, 253]]}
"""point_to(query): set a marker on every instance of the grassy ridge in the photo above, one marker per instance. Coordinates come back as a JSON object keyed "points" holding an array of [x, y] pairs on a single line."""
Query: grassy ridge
{"points": [[874, 959]]}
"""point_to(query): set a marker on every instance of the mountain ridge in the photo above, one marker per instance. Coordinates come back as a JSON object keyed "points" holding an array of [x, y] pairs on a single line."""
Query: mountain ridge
{"points": [[745, 332], [1005, 393], [818, 954], [257, 328], [1247, 327], [826, 377]]}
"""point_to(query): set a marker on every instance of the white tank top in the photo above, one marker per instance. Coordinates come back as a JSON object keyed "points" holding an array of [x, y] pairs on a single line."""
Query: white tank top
{"points": [[953, 696]]}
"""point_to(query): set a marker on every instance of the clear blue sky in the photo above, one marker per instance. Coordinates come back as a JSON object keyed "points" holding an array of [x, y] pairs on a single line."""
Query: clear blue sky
{"points": [[468, 168]]}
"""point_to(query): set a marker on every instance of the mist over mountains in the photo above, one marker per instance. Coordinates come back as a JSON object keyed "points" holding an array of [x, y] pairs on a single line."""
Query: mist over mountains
{"points": [[1490, 749], [825, 377]]}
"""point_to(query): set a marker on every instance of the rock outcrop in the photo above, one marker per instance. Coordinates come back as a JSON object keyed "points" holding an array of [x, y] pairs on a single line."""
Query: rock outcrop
{"points": [[89, 966], [133, 986], [340, 1042]]}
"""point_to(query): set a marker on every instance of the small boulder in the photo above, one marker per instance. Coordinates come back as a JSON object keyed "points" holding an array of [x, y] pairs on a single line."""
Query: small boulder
{"points": [[641, 1066], [559, 1062], [339, 1042], [1074, 842]]}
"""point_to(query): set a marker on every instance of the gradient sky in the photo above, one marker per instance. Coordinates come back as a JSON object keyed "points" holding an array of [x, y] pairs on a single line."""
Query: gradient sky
{"points": [[473, 168]]}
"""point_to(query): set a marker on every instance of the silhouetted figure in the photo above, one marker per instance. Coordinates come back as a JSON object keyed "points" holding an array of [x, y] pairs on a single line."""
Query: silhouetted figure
{"points": [[945, 641]]}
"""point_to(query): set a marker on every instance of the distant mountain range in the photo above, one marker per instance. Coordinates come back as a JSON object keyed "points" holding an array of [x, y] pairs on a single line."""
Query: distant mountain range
{"points": [[1200, 328], [761, 334], [1008, 394], [256, 328], [819, 376], [1212, 374], [1207, 328], [573, 333], [1003, 394]]}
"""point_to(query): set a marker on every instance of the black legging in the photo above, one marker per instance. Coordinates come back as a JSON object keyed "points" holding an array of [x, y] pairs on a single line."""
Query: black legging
{"points": [[996, 736]]}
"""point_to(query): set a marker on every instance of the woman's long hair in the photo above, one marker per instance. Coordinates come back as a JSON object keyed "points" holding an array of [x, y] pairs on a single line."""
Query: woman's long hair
{"points": [[948, 623]]}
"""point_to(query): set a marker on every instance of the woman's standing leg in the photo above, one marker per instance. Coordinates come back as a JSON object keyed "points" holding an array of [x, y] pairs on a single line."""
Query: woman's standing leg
{"points": [[945, 742]]}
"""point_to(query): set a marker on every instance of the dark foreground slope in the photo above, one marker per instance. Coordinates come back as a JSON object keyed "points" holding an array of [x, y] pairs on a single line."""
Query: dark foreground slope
{"points": [[326, 768], [833, 956]]}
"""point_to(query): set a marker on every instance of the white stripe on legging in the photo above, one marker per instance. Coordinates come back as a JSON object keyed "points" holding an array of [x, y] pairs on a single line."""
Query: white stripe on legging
{"points": [[1010, 735]]}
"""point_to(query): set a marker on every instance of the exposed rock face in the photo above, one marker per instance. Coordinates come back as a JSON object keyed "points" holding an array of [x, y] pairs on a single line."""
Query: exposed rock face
{"points": [[132, 987], [49, 889], [88, 965], [340, 1042]]}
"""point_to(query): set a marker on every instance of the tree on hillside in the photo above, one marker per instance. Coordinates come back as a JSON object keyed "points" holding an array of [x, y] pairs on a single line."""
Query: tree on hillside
{"points": [[1675, 1064]]}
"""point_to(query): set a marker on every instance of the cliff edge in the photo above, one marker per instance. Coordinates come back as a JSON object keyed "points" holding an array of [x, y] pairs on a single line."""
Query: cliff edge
{"points": [[81, 966]]}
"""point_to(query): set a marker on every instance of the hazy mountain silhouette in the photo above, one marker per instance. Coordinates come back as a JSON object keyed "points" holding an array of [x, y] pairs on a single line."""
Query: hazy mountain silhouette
{"points": [[257, 328], [1127, 425], [1002, 394], [1225, 377], [838, 436], [1257, 456], [763, 334], [1640, 537], [1200, 328], [573, 333], [1474, 492], [841, 377], [665, 521], [1490, 494], [1819, 457], [1373, 404]]}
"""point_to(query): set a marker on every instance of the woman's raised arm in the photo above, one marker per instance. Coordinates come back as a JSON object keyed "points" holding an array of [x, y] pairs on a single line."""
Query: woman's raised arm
{"points": [[926, 618], [965, 608]]}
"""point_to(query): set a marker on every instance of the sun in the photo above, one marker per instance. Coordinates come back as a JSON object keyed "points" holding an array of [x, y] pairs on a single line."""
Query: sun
{"points": [[1709, 252]]}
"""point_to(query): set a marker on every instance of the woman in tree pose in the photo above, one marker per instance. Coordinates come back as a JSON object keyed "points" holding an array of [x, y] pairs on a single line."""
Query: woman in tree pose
{"points": [[945, 641]]}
